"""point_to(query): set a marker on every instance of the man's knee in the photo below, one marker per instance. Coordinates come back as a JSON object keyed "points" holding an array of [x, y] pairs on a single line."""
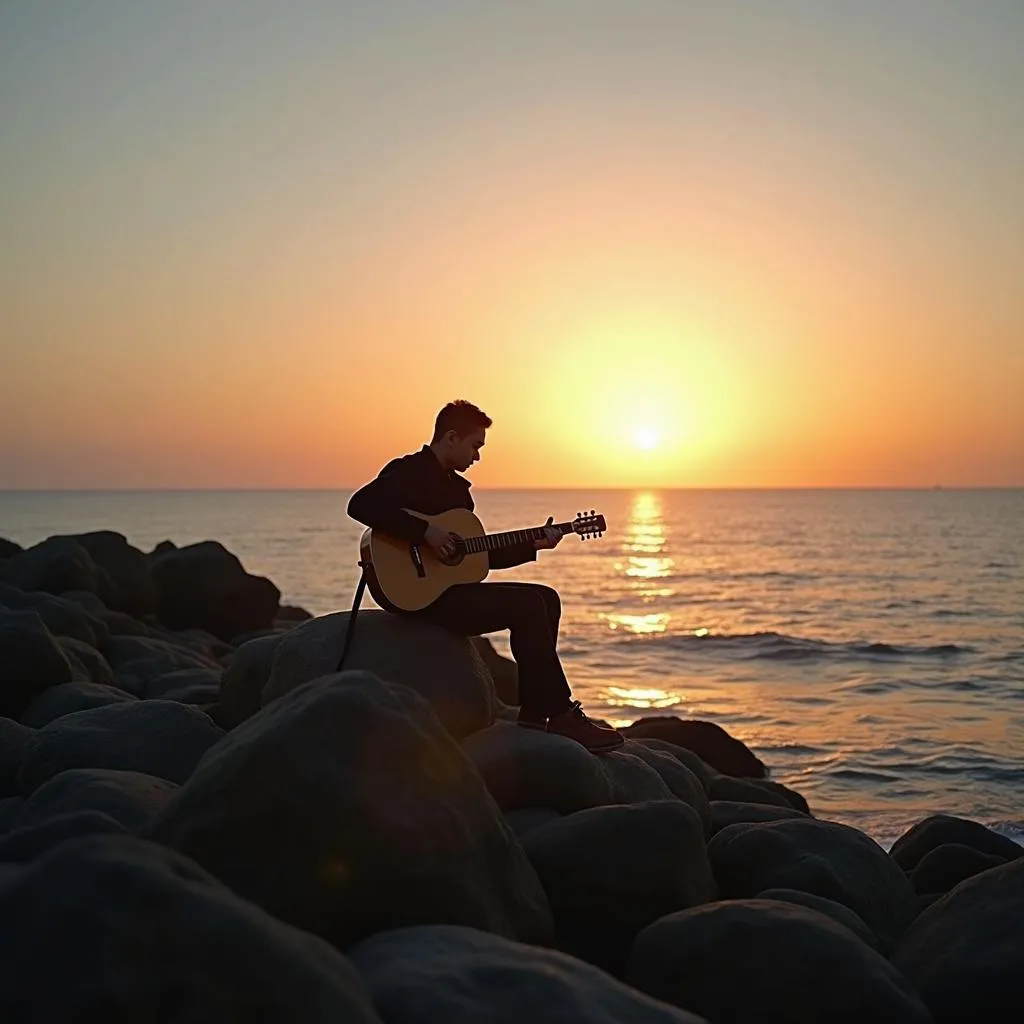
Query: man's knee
{"points": [[552, 602]]}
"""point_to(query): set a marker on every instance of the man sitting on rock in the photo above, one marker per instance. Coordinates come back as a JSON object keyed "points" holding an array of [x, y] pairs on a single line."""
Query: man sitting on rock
{"points": [[426, 481]]}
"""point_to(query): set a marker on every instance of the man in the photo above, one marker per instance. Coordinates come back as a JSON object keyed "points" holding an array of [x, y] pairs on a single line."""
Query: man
{"points": [[427, 482]]}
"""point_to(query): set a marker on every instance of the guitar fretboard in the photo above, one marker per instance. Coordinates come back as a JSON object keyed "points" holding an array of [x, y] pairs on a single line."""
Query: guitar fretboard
{"points": [[493, 541]]}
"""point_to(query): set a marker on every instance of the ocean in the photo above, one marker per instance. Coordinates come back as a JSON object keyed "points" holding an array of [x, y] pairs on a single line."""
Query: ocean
{"points": [[867, 645]]}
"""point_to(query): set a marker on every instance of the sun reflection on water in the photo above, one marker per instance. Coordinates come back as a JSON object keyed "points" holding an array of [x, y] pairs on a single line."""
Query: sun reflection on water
{"points": [[646, 562]]}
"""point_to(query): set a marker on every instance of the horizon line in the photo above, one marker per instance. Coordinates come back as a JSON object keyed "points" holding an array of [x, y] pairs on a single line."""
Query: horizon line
{"points": [[480, 489]]}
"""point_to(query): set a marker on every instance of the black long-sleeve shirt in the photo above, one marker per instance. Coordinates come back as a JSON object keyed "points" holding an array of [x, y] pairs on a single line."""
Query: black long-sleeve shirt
{"points": [[419, 482]]}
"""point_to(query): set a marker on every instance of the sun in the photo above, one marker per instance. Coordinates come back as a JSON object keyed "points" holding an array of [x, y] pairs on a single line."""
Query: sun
{"points": [[646, 437]]}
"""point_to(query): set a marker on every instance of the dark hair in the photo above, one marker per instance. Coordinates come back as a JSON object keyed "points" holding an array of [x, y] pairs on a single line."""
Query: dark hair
{"points": [[461, 416]]}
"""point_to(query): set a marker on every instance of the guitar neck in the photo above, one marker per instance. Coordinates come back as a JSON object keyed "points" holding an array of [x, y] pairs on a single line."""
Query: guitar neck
{"points": [[495, 541]]}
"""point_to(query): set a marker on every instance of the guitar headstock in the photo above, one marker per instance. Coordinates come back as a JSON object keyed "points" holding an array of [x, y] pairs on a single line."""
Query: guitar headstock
{"points": [[588, 525]]}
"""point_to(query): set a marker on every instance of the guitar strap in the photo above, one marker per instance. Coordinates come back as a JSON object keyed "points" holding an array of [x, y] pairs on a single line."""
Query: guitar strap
{"points": [[360, 587]]}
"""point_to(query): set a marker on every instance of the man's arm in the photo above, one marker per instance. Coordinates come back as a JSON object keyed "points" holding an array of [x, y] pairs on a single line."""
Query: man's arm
{"points": [[379, 504], [518, 554]]}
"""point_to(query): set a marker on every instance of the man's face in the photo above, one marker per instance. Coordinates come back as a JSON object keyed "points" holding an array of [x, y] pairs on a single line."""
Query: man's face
{"points": [[466, 450]]}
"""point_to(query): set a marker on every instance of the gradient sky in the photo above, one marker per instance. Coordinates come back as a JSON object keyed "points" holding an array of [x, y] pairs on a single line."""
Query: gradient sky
{"points": [[253, 243]]}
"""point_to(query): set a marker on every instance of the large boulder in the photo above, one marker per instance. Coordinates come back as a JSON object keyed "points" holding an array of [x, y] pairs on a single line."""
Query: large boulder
{"points": [[114, 928], [62, 616], [821, 857], [964, 953], [756, 791], [130, 798], [611, 871], [442, 973], [946, 866], [24, 843], [345, 808], [531, 768], [205, 585], [147, 659], [185, 680], [840, 914], [87, 664], [31, 661], [769, 962], [940, 829], [55, 565], [8, 548], [155, 737], [504, 671], [245, 676], [133, 590], [709, 741], [442, 667], [14, 740], [67, 698], [732, 812]]}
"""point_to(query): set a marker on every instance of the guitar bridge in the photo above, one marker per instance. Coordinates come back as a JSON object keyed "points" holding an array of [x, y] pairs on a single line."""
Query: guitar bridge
{"points": [[417, 560]]}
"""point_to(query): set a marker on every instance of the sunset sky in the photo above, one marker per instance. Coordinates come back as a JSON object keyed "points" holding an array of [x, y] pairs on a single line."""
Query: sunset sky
{"points": [[661, 242]]}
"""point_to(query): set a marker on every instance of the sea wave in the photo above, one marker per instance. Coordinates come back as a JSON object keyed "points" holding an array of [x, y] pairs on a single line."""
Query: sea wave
{"points": [[772, 646]]}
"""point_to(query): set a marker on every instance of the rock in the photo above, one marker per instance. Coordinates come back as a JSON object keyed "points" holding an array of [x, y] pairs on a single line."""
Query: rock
{"points": [[440, 666], [184, 679], [61, 616], [55, 565], [205, 585], [134, 591], [940, 829], [345, 808], [682, 783], [964, 953], [8, 548], [244, 677], [946, 866], [113, 928], [820, 857], [95, 666], [840, 914], [769, 962], [68, 698], [199, 641], [14, 740], [745, 791], [688, 758], [529, 768], [449, 975], [24, 843], [611, 871], [730, 812], [9, 808], [148, 659], [291, 614], [198, 694], [155, 737], [504, 671], [30, 661], [710, 742], [526, 819], [129, 798]]}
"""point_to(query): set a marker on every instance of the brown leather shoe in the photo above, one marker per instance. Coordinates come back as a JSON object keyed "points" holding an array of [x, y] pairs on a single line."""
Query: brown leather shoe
{"points": [[576, 726]]}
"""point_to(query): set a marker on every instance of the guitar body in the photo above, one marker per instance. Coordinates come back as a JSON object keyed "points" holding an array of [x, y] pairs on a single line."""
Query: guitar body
{"points": [[409, 577]]}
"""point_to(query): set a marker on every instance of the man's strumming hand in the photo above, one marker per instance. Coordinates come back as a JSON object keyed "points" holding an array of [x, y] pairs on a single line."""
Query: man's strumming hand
{"points": [[441, 541]]}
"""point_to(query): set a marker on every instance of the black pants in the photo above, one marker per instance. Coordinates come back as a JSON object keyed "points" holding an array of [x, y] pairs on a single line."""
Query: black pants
{"points": [[530, 611]]}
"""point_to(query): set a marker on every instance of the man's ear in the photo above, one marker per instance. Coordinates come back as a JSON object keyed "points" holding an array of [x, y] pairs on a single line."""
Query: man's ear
{"points": [[451, 436]]}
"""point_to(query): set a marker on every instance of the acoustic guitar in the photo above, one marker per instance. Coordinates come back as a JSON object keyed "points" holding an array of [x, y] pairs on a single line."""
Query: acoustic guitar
{"points": [[408, 577]]}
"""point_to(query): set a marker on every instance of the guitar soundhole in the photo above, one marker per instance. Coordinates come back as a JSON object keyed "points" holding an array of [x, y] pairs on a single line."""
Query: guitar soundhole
{"points": [[457, 556]]}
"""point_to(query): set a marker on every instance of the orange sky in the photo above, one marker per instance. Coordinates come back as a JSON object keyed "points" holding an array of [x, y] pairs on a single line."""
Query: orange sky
{"points": [[786, 244]]}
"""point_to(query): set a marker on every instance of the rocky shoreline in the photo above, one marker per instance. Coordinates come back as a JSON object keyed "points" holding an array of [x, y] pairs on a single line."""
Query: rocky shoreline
{"points": [[201, 820]]}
